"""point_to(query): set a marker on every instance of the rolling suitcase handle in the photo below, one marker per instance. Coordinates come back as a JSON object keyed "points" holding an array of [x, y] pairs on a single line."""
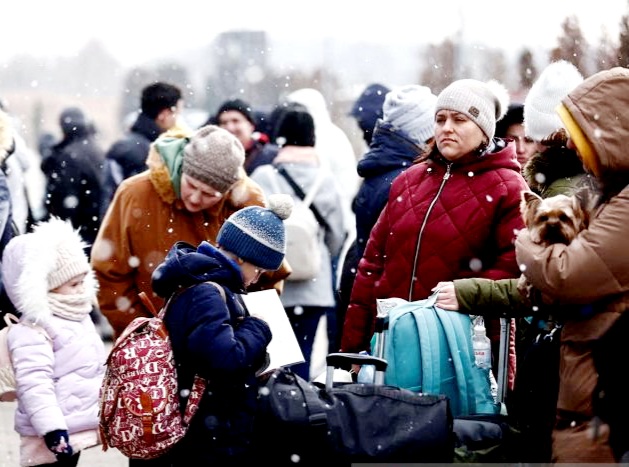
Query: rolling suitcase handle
{"points": [[335, 360], [503, 359]]}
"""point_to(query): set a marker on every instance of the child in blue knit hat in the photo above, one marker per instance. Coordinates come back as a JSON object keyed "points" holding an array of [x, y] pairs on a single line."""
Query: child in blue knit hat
{"points": [[212, 333]]}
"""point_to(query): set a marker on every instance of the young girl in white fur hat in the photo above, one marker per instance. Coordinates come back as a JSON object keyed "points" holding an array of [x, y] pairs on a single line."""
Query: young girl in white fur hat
{"points": [[56, 351]]}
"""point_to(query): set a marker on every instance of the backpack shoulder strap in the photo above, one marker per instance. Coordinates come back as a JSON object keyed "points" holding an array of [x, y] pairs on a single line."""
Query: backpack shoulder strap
{"points": [[431, 349], [307, 199], [221, 290]]}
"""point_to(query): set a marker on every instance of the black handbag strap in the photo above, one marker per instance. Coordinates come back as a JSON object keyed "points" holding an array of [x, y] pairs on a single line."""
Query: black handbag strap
{"points": [[299, 192]]}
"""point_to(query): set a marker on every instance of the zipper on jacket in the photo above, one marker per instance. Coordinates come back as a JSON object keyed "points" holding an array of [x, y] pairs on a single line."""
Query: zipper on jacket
{"points": [[446, 176]]}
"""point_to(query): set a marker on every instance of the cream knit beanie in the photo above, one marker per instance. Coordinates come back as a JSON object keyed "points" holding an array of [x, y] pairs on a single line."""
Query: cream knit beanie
{"points": [[482, 102]]}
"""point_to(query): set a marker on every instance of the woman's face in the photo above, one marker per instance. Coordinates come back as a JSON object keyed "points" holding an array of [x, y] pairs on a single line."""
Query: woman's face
{"points": [[196, 195], [456, 135]]}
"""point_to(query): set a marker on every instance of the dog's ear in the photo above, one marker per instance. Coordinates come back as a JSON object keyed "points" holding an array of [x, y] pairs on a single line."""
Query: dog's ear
{"points": [[584, 202], [528, 205]]}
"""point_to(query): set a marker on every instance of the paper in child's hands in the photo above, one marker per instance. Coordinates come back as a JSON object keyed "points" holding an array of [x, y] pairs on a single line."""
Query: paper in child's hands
{"points": [[283, 349]]}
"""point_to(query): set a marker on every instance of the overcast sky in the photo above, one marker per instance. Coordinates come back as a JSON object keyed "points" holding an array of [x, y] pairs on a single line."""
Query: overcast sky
{"points": [[135, 31]]}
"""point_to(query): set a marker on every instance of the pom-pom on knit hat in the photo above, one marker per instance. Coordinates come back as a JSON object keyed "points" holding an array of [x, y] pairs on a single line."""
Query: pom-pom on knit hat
{"points": [[482, 102], [215, 157], [411, 109], [555, 82], [256, 234]]}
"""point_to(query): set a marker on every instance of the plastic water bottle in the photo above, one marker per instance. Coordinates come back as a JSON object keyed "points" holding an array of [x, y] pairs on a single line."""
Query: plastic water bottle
{"points": [[367, 373], [482, 346]]}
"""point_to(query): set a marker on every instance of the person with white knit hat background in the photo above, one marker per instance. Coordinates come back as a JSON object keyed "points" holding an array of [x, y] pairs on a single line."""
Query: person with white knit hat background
{"points": [[214, 336], [555, 169], [192, 184], [56, 351], [552, 85], [452, 214]]}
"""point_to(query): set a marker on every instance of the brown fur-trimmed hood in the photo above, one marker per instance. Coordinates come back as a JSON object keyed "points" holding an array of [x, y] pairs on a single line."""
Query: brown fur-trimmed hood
{"points": [[543, 168]]}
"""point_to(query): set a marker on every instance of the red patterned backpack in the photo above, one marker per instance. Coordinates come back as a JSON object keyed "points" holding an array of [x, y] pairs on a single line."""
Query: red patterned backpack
{"points": [[139, 398]]}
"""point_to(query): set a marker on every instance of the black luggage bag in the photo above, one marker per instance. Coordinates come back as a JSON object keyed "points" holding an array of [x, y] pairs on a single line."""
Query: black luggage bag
{"points": [[306, 424]]}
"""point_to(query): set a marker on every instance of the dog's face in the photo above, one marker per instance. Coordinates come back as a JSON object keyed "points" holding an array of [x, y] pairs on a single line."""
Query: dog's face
{"points": [[557, 219]]}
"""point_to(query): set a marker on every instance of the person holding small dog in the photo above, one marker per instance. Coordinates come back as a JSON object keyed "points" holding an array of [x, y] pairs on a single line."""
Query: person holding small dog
{"points": [[554, 169], [590, 273], [451, 215]]}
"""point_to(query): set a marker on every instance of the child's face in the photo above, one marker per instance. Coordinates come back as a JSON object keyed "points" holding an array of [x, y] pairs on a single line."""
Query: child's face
{"points": [[73, 287], [250, 273]]}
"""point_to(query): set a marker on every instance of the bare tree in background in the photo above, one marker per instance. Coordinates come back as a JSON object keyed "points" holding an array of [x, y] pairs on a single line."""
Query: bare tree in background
{"points": [[440, 64], [526, 69], [623, 39], [572, 46], [495, 65], [606, 55]]}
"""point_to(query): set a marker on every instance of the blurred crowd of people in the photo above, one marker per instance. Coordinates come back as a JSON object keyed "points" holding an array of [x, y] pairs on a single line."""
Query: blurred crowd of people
{"points": [[432, 206]]}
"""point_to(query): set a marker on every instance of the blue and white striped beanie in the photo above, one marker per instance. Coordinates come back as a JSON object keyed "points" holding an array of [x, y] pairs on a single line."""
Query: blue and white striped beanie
{"points": [[256, 234]]}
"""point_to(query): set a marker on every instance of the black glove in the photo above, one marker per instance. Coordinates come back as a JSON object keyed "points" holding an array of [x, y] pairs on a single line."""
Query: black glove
{"points": [[58, 443]]}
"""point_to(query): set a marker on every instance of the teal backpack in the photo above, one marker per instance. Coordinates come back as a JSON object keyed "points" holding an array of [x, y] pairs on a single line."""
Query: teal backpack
{"points": [[429, 350]]}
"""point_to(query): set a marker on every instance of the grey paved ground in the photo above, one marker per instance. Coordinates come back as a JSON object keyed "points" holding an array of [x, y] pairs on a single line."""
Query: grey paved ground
{"points": [[95, 457]]}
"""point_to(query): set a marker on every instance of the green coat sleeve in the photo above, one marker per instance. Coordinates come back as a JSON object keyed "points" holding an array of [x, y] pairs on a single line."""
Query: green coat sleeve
{"points": [[489, 298]]}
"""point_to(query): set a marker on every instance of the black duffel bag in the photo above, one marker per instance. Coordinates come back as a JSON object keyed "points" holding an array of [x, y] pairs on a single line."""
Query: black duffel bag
{"points": [[302, 423]]}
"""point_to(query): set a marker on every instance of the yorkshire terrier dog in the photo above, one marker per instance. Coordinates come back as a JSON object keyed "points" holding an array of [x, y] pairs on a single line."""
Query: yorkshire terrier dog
{"points": [[557, 219]]}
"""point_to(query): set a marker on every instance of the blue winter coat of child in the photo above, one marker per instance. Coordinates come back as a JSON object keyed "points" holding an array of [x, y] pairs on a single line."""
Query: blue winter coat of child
{"points": [[216, 339]]}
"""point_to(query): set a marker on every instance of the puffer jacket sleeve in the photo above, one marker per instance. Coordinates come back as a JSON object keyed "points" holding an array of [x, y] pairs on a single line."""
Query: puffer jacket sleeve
{"points": [[493, 299], [592, 267], [214, 342], [33, 359], [508, 222], [110, 260], [361, 312]]}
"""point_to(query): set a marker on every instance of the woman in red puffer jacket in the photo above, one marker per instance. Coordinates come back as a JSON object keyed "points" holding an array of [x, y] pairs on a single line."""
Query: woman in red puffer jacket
{"points": [[454, 214]]}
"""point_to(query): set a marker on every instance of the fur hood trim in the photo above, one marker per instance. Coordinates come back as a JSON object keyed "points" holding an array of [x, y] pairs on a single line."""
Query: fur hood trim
{"points": [[543, 168], [27, 261]]}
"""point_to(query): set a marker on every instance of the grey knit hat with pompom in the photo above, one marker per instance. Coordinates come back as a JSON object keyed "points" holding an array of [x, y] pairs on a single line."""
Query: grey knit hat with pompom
{"points": [[256, 234]]}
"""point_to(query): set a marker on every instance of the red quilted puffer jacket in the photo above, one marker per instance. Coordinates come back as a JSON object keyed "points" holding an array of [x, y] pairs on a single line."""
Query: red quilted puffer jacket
{"points": [[443, 221]]}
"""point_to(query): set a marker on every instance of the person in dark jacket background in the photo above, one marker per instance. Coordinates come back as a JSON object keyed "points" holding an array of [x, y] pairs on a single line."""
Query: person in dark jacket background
{"points": [[7, 228], [236, 116], [160, 105], [398, 139], [214, 336], [74, 175], [367, 109]]}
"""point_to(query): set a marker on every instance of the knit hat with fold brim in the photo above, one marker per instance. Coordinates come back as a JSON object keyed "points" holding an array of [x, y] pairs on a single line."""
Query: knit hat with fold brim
{"points": [[215, 157], [256, 234], [484, 103], [412, 110]]}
